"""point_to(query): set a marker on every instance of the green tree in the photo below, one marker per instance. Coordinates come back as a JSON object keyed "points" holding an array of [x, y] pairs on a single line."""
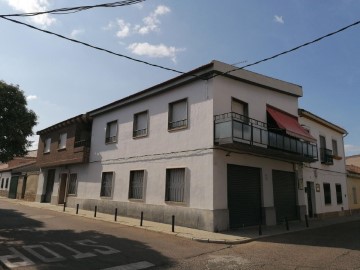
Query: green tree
{"points": [[16, 122]]}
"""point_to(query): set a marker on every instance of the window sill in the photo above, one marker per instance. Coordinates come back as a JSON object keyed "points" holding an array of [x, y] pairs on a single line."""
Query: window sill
{"points": [[175, 203], [106, 198], [337, 157], [71, 195], [177, 128], [137, 200], [111, 142], [140, 136], [46, 153], [61, 149]]}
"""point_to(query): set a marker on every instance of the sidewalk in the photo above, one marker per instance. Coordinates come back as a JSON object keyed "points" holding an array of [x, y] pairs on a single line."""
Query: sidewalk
{"points": [[232, 237]]}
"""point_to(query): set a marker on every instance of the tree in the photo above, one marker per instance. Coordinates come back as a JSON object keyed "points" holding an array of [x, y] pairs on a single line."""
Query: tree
{"points": [[16, 122]]}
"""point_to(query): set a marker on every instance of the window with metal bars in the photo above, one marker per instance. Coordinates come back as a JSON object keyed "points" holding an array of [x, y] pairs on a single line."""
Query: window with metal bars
{"points": [[72, 184], [327, 193], [106, 184], [111, 132], [338, 194], [175, 185], [140, 124], [136, 185], [178, 114]]}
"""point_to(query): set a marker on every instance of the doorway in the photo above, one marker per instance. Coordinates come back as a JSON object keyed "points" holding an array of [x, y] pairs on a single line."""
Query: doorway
{"points": [[62, 188], [310, 193], [49, 185]]}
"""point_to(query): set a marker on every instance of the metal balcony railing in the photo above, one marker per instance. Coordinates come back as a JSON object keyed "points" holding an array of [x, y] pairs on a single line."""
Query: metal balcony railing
{"points": [[234, 127], [326, 156], [80, 143]]}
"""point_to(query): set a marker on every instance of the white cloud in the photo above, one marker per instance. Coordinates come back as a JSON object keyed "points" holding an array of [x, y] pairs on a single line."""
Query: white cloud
{"points": [[139, 6], [351, 149], [155, 51], [151, 23], [124, 29], [279, 19], [76, 32], [109, 26], [26, 6], [31, 97]]}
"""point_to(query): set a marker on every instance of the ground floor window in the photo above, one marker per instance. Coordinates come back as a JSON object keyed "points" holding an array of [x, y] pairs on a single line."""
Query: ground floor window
{"points": [[7, 183], [2, 183], [327, 193], [72, 184], [136, 185], [106, 184], [175, 185], [338, 194], [354, 195]]}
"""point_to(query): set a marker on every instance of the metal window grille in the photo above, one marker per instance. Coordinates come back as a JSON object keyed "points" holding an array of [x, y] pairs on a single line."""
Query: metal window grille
{"points": [[136, 185], [72, 184], [327, 193], [111, 132], [140, 124], [106, 184], [338, 194], [175, 183], [178, 116]]}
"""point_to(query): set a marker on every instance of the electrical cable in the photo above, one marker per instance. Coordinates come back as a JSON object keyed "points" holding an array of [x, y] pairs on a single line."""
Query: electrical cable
{"points": [[61, 11]]}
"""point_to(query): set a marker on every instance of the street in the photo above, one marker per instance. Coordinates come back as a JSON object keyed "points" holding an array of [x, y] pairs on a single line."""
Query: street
{"points": [[33, 238]]}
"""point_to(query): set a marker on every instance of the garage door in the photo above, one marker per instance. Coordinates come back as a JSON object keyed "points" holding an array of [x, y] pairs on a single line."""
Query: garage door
{"points": [[284, 188], [244, 195]]}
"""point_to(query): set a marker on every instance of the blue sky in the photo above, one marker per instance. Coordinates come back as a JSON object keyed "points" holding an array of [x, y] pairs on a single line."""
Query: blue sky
{"points": [[62, 79]]}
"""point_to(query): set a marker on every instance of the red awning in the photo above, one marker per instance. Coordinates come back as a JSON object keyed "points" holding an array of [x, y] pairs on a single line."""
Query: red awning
{"points": [[290, 124]]}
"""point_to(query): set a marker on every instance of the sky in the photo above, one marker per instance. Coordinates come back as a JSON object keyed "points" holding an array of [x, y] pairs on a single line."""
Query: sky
{"points": [[62, 79]]}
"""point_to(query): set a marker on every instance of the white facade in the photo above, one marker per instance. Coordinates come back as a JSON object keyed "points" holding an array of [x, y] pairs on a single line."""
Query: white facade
{"points": [[188, 154], [316, 174]]}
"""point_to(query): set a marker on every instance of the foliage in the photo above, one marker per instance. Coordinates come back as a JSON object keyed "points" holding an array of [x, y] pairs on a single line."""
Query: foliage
{"points": [[16, 122]]}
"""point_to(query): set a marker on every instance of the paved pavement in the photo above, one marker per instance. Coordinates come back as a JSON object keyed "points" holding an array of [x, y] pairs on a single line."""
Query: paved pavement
{"points": [[232, 237]]}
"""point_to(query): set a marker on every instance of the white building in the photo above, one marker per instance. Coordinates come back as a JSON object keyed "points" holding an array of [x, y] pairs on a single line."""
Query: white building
{"points": [[218, 152], [325, 179]]}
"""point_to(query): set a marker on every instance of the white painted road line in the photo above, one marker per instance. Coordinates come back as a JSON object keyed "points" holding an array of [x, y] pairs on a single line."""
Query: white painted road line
{"points": [[132, 266]]}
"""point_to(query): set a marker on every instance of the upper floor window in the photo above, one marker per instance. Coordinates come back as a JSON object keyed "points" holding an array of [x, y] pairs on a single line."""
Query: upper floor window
{"points": [[239, 107], [335, 148], [62, 141], [107, 184], [47, 145], [178, 114], [111, 132], [140, 128]]}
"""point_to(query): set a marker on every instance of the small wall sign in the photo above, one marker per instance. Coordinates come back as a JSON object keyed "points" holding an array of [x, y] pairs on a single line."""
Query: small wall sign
{"points": [[317, 187]]}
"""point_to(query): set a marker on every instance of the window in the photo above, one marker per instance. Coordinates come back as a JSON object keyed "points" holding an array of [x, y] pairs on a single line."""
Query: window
{"points": [[140, 124], [47, 145], [338, 194], [175, 183], [106, 184], [335, 148], [2, 183], [72, 184], [327, 193], [111, 132], [136, 185], [354, 195], [240, 107], [178, 115], [7, 183], [62, 141]]}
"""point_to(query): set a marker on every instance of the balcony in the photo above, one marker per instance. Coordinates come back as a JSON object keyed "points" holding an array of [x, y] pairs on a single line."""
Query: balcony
{"points": [[244, 134], [326, 156]]}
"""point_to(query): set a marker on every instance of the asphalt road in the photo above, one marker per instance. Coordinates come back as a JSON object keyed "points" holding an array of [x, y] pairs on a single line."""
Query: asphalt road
{"points": [[32, 238]]}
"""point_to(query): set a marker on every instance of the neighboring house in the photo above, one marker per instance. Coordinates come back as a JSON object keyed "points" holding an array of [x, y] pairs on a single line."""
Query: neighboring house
{"points": [[325, 180], [62, 146], [353, 186], [353, 160], [28, 176], [15, 172], [218, 152]]}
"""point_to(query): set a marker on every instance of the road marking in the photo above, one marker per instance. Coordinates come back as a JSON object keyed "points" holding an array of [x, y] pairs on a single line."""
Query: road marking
{"points": [[16, 255], [132, 266], [56, 257], [106, 250], [79, 254]]}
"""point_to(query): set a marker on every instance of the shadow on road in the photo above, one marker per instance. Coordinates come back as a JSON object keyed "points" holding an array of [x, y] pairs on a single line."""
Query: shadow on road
{"points": [[24, 241], [344, 235]]}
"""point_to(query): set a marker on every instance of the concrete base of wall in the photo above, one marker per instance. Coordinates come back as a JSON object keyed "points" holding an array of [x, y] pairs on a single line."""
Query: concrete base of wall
{"points": [[269, 215], [333, 214], [208, 220], [4, 193], [302, 212]]}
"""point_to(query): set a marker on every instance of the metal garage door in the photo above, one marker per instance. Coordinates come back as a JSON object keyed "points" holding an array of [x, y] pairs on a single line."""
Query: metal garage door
{"points": [[284, 188], [244, 195]]}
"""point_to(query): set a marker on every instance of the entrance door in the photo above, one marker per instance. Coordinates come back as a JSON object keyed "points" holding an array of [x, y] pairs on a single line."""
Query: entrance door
{"points": [[13, 187], [62, 188], [284, 189], [310, 193], [49, 185], [244, 195], [23, 187]]}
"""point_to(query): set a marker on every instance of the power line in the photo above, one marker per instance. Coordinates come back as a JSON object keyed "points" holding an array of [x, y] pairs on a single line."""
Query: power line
{"points": [[290, 50], [99, 48], [69, 10]]}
